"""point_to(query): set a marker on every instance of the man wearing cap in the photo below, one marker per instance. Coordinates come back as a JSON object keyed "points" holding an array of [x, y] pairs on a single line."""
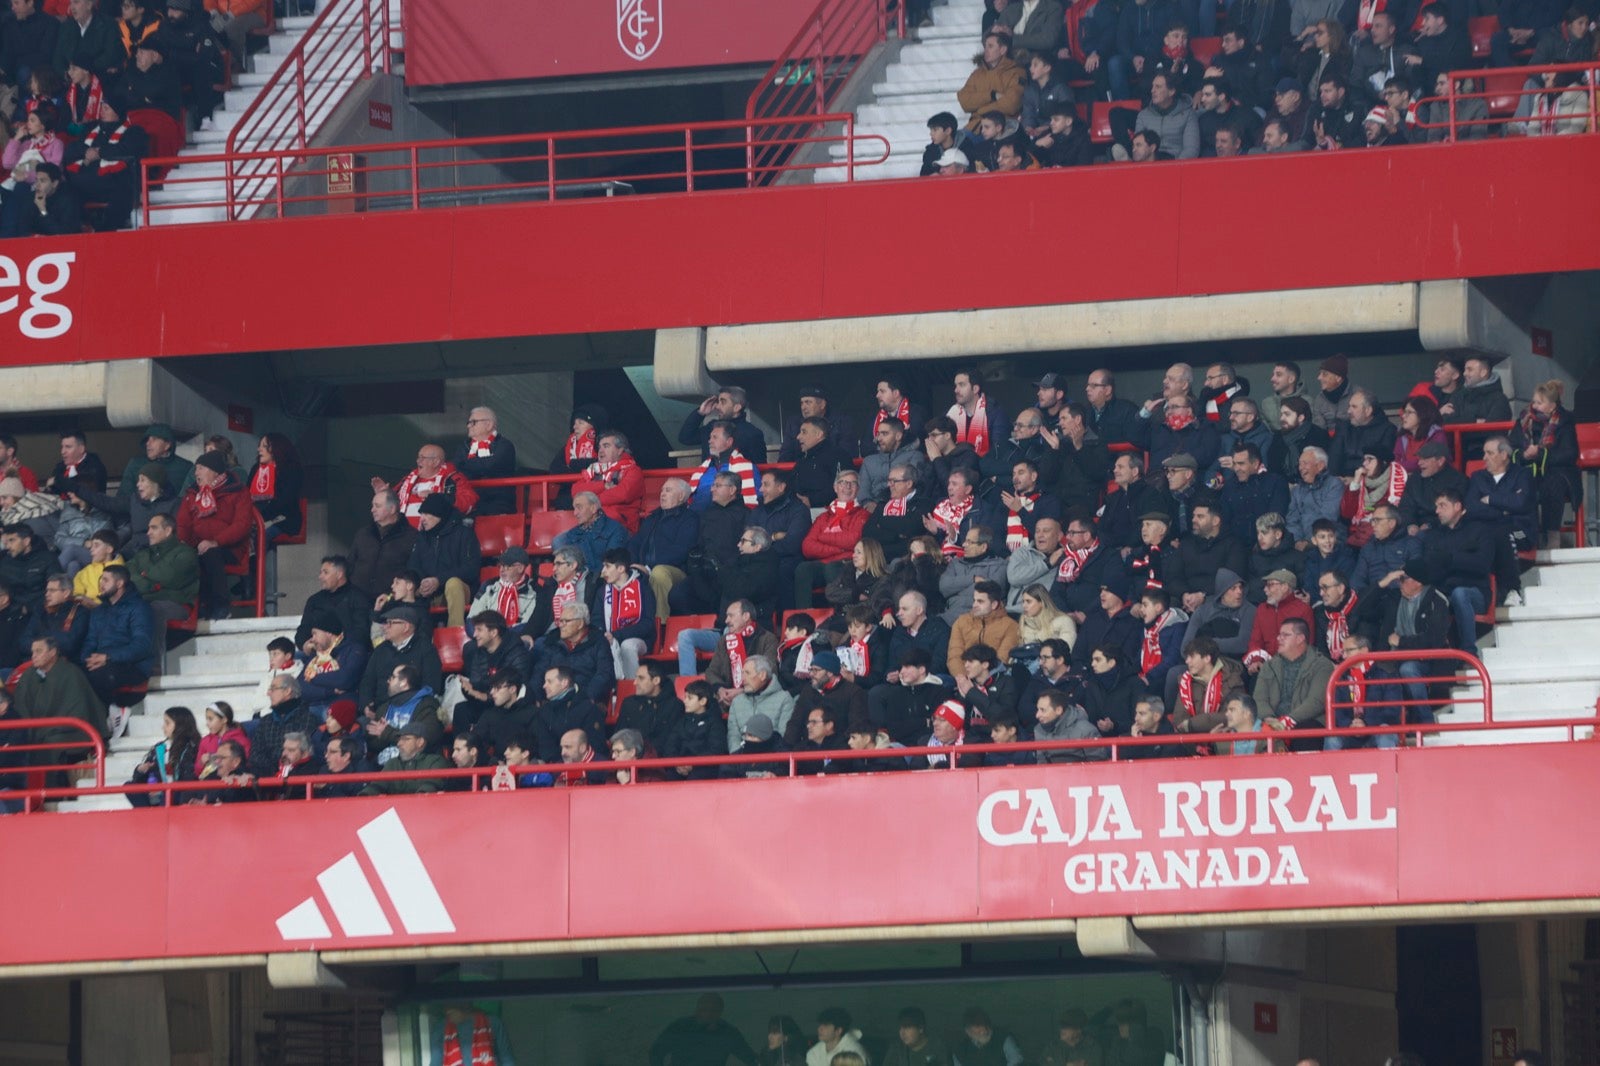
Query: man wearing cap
{"points": [[197, 57], [1182, 475], [1317, 494], [1330, 399], [215, 519], [1434, 475], [399, 647], [760, 696], [150, 82], [1292, 689], [432, 477], [1109, 623], [1206, 550], [514, 595], [1281, 605], [1482, 397], [333, 664], [1180, 432], [1289, 103], [158, 445], [446, 555], [486, 454], [411, 755], [903, 706], [951, 162], [87, 35], [814, 404]]}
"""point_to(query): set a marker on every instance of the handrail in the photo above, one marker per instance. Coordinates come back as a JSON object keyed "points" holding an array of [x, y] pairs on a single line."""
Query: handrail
{"points": [[790, 761], [37, 770], [336, 49], [525, 483], [1340, 683], [808, 76], [406, 172], [1457, 430], [1587, 86]]}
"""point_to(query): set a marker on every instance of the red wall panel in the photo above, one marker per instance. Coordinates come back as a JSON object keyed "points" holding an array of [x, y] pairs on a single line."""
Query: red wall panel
{"points": [[934, 848], [810, 252], [449, 43]]}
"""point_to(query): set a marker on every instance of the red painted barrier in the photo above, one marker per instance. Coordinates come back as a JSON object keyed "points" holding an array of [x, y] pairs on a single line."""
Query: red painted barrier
{"points": [[1160, 837], [865, 249]]}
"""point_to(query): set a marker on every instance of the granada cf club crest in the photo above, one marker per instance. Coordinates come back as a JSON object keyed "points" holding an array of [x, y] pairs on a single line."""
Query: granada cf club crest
{"points": [[639, 27]]}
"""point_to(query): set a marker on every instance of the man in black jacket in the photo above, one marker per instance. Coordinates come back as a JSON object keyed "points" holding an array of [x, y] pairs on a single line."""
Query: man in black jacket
{"points": [[1114, 420], [728, 405], [1417, 620], [446, 555], [1481, 398], [1434, 475], [582, 651], [818, 463], [1459, 557], [566, 708], [896, 522], [511, 712], [401, 646], [55, 210], [492, 651], [1086, 566], [1202, 553], [486, 454], [786, 519], [336, 596], [150, 82], [1125, 508], [26, 565], [381, 548], [26, 43], [1368, 432], [196, 56], [722, 524], [286, 714], [652, 709]]}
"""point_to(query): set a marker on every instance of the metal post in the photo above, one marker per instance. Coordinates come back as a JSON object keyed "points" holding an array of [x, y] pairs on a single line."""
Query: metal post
{"points": [[850, 148], [818, 64], [300, 97], [688, 157], [1450, 96], [550, 165]]}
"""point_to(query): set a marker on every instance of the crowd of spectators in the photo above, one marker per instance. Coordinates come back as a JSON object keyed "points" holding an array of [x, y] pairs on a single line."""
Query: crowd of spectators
{"points": [[77, 85], [1119, 1033], [1280, 77], [977, 578]]}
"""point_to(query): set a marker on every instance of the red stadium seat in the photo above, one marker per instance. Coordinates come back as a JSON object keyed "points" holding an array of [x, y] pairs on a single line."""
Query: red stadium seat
{"points": [[623, 691], [682, 683], [1100, 118], [498, 532], [449, 641], [1204, 49], [1505, 92], [545, 526], [667, 647], [165, 133], [1480, 30]]}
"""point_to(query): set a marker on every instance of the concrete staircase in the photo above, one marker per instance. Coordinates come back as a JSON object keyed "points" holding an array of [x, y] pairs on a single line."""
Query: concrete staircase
{"points": [[921, 82], [226, 661], [1543, 658], [196, 192]]}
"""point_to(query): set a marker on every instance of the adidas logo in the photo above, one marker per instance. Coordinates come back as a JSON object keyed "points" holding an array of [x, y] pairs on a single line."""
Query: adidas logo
{"points": [[350, 895]]}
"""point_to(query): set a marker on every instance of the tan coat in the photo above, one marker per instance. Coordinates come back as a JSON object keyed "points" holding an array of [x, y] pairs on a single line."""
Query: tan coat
{"points": [[998, 89], [998, 630]]}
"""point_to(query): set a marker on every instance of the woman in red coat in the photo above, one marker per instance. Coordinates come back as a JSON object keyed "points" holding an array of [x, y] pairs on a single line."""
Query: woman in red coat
{"points": [[832, 539], [215, 519]]}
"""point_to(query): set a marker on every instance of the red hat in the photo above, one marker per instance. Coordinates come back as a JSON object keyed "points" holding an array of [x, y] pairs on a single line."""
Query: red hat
{"points": [[344, 712], [953, 712]]}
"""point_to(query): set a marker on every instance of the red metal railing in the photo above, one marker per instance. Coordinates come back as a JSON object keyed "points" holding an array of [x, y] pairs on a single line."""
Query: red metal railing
{"points": [[346, 43], [808, 76], [1368, 693], [549, 486], [1502, 89], [1459, 430], [413, 174], [34, 771]]}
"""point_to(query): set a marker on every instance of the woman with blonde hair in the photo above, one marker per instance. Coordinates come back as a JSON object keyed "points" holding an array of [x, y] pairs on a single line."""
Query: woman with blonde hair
{"points": [[1042, 620], [1545, 440]]}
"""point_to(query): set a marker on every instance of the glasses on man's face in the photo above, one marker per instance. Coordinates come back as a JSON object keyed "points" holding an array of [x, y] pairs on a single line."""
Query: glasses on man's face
{"points": [[1098, 385], [1077, 532], [899, 480]]}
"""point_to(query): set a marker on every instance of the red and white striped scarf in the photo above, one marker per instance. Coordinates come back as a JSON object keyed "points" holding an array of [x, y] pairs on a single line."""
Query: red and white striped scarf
{"points": [[1150, 654], [566, 593], [737, 651], [624, 606], [1339, 625], [1213, 698], [839, 513], [1016, 532], [1357, 687], [861, 653], [896, 508], [482, 1042], [610, 474], [950, 515], [508, 601], [902, 412], [205, 500], [482, 449], [265, 481], [91, 106], [972, 429], [580, 446], [1073, 562]]}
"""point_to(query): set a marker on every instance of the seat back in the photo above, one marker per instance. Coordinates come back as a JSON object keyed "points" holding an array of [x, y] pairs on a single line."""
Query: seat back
{"points": [[498, 532], [683, 682], [545, 526], [623, 691], [1589, 445], [1481, 31], [1204, 49], [166, 135], [449, 641], [1505, 92], [1100, 118]]}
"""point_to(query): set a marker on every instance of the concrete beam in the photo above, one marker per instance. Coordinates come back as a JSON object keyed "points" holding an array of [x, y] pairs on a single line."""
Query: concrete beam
{"points": [[680, 364], [300, 969], [1061, 327], [1111, 938]]}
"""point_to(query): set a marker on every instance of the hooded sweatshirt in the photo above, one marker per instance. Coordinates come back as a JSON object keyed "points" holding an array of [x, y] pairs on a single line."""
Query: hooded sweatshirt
{"points": [[1228, 626]]}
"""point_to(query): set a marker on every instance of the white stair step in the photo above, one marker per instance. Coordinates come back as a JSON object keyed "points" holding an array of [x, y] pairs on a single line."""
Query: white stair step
{"points": [[1551, 606], [234, 643], [272, 624], [1562, 592], [1564, 556], [239, 697], [912, 109], [945, 71], [296, 23], [1507, 667], [1577, 633], [93, 804], [946, 49], [1473, 738], [234, 663]]}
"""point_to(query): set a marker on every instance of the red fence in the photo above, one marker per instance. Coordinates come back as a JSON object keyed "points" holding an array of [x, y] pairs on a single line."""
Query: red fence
{"points": [[526, 166], [1556, 110], [347, 41]]}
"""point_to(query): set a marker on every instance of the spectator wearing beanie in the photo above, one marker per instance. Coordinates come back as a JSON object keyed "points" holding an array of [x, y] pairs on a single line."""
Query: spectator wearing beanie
{"points": [[446, 555], [158, 443], [1328, 400], [334, 666], [214, 518], [40, 510], [153, 494]]}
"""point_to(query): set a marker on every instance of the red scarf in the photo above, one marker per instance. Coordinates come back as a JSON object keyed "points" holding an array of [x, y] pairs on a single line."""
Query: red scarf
{"points": [[902, 412], [566, 593], [623, 606], [973, 429], [1176, 421], [482, 449], [950, 515], [737, 652], [1016, 532], [1150, 656], [1339, 626], [323, 662], [1357, 688], [861, 651], [610, 474], [1175, 53], [839, 513], [1146, 563], [482, 1042], [568, 779], [265, 481], [508, 601], [1073, 562], [91, 108], [205, 499], [802, 661], [1539, 430], [1213, 701], [893, 508], [71, 469], [580, 446]]}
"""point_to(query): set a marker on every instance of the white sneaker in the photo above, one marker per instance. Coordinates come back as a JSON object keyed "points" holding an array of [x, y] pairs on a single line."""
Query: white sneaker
{"points": [[206, 125], [118, 722], [1514, 599]]}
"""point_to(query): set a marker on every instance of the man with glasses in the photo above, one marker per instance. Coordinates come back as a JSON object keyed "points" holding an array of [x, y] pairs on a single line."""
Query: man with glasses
{"points": [[1222, 386], [1114, 420], [486, 454], [1383, 557], [894, 448], [830, 543], [1334, 617], [1086, 565], [1181, 431], [615, 479], [286, 714], [899, 518], [1028, 440], [977, 562], [399, 647], [432, 476]]}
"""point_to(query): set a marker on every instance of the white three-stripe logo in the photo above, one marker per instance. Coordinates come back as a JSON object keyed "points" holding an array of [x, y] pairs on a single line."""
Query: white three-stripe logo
{"points": [[351, 897]]}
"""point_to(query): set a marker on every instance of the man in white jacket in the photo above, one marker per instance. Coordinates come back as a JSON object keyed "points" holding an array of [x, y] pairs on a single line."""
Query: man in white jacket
{"points": [[834, 1035]]}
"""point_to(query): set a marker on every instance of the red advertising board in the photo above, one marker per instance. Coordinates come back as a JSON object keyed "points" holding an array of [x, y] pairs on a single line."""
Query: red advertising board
{"points": [[451, 43], [439, 274], [934, 848]]}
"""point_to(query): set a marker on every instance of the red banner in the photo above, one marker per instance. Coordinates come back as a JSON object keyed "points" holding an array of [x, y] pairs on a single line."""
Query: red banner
{"points": [[451, 43], [1324, 830]]}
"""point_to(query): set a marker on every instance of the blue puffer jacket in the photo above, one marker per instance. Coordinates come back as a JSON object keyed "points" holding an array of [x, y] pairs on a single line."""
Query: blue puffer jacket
{"points": [[121, 632]]}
